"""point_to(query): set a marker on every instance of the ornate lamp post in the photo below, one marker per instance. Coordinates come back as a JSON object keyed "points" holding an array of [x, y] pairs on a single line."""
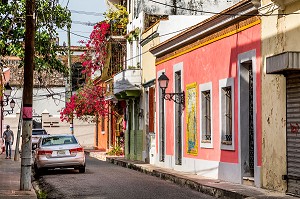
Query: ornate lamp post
{"points": [[178, 98], [4, 102], [7, 93]]}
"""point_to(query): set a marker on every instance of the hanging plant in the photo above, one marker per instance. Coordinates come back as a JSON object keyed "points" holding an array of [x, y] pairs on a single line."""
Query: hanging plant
{"points": [[117, 18], [130, 38], [136, 33]]}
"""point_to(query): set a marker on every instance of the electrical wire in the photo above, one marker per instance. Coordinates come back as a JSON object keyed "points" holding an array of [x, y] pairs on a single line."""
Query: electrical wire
{"points": [[220, 13], [76, 34], [84, 23], [87, 13]]}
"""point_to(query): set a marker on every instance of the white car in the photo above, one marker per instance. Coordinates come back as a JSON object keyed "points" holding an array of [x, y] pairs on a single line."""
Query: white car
{"points": [[58, 151], [36, 135]]}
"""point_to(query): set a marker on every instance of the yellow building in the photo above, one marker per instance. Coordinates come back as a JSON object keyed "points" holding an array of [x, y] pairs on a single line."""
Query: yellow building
{"points": [[281, 95]]}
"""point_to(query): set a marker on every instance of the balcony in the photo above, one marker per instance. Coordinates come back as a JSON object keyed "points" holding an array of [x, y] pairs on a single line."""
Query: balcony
{"points": [[127, 83]]}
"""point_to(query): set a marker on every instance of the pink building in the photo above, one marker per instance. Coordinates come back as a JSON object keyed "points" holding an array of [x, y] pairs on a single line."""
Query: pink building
{"points": [[217, 133]]}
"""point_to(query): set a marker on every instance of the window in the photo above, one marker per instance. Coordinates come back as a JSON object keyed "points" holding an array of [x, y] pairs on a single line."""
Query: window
{"points": [[227, 113], [58, 140], [206, 136], [102, 124]]}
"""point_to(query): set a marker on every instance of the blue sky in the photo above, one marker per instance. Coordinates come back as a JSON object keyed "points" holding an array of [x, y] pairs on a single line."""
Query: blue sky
{"points": [[83, 11]]}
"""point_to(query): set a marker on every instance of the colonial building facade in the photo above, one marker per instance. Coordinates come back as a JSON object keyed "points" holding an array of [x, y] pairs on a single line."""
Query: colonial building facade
{"points": [[216, 130], [280, 95]]}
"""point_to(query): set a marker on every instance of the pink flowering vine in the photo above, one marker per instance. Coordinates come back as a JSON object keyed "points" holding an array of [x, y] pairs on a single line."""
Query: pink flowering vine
{"points": [[95, 56], [89, 101]]}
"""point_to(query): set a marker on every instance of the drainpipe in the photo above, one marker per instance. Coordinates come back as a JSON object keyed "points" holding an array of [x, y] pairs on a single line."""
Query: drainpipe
{"points": [[109, 126], [97, 131], [133, 114]]}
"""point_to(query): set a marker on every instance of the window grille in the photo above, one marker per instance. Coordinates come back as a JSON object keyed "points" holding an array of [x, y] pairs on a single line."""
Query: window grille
{"points": [[227, 103], [206, 116]]}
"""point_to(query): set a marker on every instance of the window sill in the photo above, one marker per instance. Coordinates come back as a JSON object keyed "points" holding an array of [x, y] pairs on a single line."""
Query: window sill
{"points": [[227, 142]]}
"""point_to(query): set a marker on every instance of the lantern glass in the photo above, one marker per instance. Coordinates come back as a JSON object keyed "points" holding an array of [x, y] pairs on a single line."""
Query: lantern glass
{"points": [[12, 104], [7, 90], [163, 81]]}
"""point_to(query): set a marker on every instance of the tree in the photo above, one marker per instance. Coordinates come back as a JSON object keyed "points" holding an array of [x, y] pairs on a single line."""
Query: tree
{"points": [[89, 100], [49, 17]]}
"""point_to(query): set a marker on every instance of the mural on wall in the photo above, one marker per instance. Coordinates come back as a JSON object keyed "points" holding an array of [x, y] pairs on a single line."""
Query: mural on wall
{"points": [[191, 112]]}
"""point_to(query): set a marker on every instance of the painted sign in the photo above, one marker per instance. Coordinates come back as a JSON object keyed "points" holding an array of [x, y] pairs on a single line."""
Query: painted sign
{"points": [[191, 113]]}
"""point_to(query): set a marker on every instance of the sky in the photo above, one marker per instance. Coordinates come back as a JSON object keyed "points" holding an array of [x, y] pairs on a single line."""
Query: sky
{"points": [[83, 13]]}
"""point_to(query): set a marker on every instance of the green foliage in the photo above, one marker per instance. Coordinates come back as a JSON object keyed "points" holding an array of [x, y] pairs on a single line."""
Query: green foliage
{"points": [[116, 151], [136, 33], [130, 38], [41, 195], [117, 18], [49, 17]]}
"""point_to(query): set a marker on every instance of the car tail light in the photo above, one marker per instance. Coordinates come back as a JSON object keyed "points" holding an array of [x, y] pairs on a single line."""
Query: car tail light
{"points": [[44, 152], [74, 151]]}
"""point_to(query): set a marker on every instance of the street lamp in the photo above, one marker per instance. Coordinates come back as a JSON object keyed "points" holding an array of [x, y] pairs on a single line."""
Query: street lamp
{"points": [[7, 93], [178, 98]]}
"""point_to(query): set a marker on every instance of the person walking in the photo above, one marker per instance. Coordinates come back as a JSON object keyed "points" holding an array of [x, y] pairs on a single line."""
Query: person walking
{"points": [[8, 137]]}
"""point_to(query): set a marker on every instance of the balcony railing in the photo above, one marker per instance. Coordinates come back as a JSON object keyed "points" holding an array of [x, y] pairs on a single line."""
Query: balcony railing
{"points": [[127, 80]]}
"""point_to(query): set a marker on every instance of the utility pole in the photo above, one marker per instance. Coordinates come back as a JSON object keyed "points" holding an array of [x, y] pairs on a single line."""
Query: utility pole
{"points": [[70, 75], [25, 182]]}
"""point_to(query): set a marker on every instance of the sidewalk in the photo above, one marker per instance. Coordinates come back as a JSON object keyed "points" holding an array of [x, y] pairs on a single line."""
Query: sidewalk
{"points": [[208, 186], [10, 172]]}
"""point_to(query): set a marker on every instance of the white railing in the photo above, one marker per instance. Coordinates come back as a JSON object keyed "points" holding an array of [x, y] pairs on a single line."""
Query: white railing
{"points": [[129, 79]]}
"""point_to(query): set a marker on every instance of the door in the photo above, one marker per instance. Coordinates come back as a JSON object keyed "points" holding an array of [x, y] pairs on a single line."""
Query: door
{"points": [[247, 122], [293, 132]]}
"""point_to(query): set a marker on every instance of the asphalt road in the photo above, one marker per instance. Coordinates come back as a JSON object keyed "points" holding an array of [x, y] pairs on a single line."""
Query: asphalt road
{"points": [[104, 180]]}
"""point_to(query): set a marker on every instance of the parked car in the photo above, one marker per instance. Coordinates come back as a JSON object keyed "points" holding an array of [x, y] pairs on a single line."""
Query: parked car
{"points": [[36, 135], [58, 151]]}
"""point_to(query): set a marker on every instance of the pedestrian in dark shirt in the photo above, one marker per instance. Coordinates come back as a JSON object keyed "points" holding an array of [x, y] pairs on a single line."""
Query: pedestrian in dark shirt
{"points": [[8, 137]]}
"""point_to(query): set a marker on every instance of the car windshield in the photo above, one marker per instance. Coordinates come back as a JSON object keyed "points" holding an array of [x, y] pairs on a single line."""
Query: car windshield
{"points": [[58, 140], [39, 132]]}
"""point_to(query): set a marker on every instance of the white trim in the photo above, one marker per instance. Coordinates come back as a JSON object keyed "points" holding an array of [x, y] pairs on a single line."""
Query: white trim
{"points": [[158, 116], [222, 84], [178, 67], [206, 87], [243, 58]]}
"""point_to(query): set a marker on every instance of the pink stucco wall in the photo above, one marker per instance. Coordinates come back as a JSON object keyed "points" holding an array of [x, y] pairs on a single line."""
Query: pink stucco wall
{"points": [[211, 63]]}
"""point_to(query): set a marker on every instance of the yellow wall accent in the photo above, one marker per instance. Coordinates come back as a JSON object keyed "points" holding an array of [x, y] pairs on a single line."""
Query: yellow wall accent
{"points": [[211, 41], [191, 119]]}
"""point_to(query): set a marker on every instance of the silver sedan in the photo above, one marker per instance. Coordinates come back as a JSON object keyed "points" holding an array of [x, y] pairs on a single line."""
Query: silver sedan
{"points": [[58, 151]]}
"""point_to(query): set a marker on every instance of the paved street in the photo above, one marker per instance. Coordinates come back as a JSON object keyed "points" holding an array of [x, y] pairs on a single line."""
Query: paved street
{"points": [[105, 180]]}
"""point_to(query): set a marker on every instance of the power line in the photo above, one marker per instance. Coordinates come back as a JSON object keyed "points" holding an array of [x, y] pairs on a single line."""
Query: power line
{"points": [[220, 13], [76, 34], [78, 31], [87, 13], [84, 23]]}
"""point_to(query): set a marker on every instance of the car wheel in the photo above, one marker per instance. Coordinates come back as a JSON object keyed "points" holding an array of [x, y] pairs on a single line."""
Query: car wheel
{"points": [[82, 169]]}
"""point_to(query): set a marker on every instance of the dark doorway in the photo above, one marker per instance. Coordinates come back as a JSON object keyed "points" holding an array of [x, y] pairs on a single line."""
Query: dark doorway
{"points": [[178, 121], [247, 122]]}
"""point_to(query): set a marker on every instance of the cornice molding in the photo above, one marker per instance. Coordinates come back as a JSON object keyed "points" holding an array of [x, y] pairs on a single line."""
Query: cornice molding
{"points": [[240, 11]]}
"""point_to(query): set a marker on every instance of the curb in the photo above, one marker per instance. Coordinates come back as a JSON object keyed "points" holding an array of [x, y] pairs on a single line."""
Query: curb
{"points": [[180, 180]]}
